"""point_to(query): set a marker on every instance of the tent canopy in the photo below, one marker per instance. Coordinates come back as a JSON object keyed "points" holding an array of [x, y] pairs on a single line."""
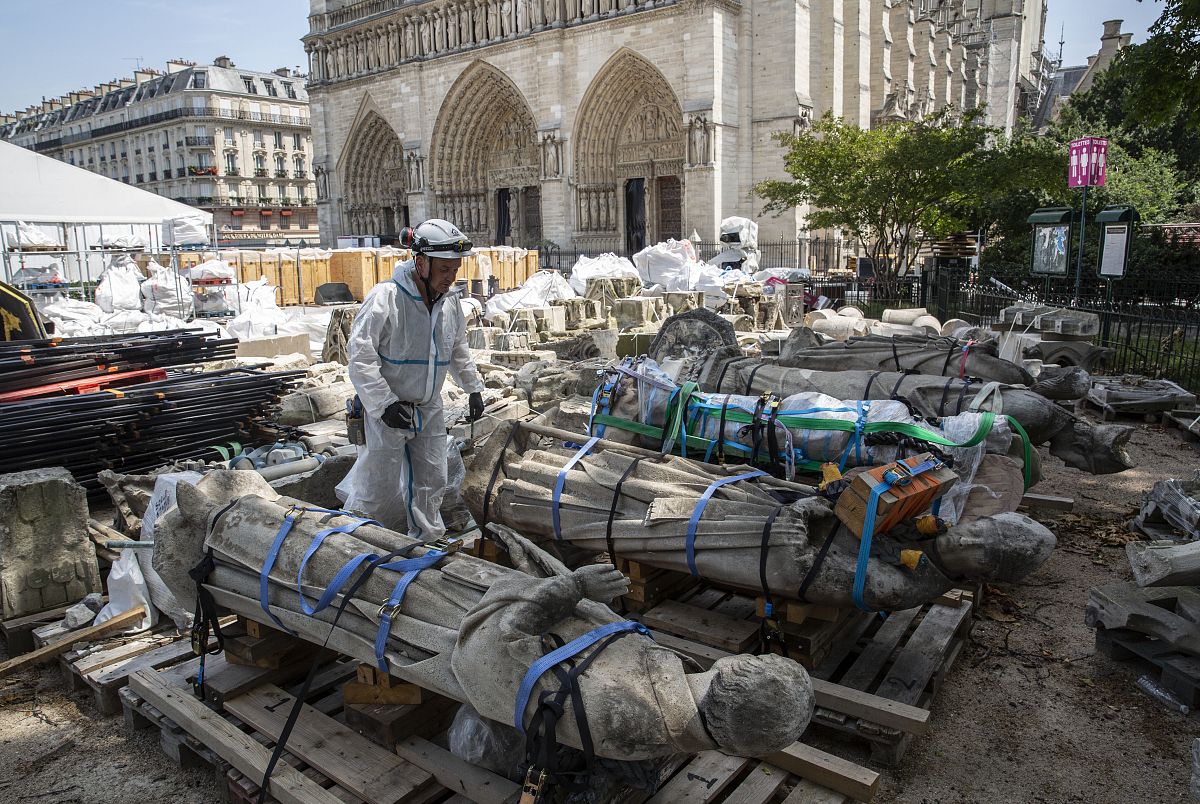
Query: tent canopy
{"points": [[38, 189]]}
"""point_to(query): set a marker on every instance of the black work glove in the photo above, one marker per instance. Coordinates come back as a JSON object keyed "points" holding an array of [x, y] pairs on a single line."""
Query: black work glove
{"points": [[399, 415], [475, 410]]}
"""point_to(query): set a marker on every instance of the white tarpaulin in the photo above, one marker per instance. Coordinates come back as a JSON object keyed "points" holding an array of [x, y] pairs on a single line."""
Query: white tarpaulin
{"points": [[606, 266], [37, 188], [538, 290]]}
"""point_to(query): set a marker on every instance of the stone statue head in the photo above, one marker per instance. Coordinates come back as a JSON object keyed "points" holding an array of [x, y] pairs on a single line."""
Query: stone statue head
{"points": [[1097, 449], [753, 705]]}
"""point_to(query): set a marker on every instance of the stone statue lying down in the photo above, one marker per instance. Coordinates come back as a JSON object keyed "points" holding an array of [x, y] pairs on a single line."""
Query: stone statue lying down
{"points": [[470, 630], [1098, 449], [658, 499]]}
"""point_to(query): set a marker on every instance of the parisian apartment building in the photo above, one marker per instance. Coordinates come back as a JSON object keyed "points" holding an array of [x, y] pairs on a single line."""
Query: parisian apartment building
{"points": [[234, 142]]}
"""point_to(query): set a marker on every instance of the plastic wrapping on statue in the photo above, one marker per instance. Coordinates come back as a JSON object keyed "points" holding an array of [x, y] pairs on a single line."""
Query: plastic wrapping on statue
{"points": [[538, 290], [120, 286], [486, 744]]}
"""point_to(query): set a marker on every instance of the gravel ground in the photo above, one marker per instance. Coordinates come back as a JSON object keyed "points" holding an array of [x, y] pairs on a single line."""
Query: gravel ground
{"points": [[1028, 714]]}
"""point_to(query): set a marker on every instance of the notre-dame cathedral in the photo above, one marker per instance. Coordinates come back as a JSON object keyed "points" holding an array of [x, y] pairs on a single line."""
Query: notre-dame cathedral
{"points": [[603, 124]]}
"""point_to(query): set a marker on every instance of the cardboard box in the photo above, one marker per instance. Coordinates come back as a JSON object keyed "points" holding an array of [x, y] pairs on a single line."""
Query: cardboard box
{"points": [[904, 500]]}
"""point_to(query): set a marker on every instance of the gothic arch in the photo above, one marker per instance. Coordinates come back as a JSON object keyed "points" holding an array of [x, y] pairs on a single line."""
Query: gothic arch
{"points": [[630, 126], [374, 177], [484, 143]]}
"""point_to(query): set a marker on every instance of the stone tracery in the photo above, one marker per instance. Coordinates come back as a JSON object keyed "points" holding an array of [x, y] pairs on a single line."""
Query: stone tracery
{"points": [[375, 176], [483, 142]]}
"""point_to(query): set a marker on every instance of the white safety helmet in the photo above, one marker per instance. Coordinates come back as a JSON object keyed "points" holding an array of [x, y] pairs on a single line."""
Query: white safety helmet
{"points": [[437, 238]]}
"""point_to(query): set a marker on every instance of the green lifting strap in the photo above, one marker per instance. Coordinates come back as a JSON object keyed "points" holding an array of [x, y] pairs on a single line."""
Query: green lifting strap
{"points": [[986, 422]]}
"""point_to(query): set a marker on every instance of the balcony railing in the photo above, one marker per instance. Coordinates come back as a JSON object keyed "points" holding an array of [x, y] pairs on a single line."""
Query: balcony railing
{"points": [[199, 142], [103, 158], [232, 172], [180, 172], [305, 201], [202, 171], [281, 174], [260, 172], [137, 151], [299, 174], [138, 178], [152, 176], [173, 114]]}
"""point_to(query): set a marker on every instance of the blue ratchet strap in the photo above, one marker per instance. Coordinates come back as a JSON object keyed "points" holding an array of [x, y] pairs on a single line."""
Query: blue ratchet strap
{"points": [[264, 575], [701, 504], [342, 576], [411, 567], [855, 441], [890, 478], [567, 651], [561, 481]]}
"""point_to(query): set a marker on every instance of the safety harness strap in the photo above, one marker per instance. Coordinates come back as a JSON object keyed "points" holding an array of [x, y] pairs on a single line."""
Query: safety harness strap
{"points": [[561, 481], [701, 504], [567, 651]]}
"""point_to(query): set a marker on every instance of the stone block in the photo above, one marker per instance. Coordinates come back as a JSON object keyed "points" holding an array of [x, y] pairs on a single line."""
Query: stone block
{"points": [[551, 319], [482, 337], [46, 557], [512, 341], [638, 312]]}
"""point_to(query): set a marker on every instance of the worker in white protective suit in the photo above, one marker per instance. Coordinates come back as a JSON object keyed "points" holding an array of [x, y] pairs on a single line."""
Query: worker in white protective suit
{"points": [[408, 334]]}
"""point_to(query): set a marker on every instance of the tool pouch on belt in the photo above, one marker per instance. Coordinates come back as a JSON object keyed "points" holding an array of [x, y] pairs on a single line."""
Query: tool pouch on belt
{"points": [[355, 431]]}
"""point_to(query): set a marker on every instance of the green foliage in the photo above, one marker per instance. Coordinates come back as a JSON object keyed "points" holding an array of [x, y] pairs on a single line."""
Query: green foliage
{"points": [[896, 187], [1167, 73]]}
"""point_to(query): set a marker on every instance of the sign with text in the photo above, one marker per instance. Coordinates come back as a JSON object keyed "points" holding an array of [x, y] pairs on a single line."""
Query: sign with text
{"points": [[1089, 162], [1114, 250]]}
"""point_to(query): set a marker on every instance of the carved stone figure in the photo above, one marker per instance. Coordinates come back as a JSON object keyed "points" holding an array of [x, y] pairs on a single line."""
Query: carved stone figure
{"points": [[471, 630], [657, 502]]}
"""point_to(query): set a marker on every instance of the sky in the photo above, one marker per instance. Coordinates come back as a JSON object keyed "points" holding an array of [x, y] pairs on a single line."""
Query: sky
{"points": [[52, 47]]}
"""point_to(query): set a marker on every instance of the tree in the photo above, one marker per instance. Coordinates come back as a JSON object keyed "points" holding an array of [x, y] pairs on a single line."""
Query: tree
{"points": [[1167, 73], [897, 187]]}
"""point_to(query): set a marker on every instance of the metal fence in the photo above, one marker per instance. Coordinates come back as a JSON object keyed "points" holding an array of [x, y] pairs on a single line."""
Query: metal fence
{"points": [[1152, 325]]}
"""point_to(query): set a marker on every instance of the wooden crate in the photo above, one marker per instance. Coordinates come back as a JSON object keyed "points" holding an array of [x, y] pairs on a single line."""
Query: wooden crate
{"points": [[356, 268], [314, 273], [249, 266]]}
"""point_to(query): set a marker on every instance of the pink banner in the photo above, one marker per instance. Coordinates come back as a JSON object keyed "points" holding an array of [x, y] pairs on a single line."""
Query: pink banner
{"points": [[1089, 162]]}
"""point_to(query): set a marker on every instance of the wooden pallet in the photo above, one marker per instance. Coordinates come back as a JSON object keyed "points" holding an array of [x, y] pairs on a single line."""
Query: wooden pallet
{"points": [[18, 631], [325, 760], [905, 659], [1176, 672], [103, 669], [733, 622]]}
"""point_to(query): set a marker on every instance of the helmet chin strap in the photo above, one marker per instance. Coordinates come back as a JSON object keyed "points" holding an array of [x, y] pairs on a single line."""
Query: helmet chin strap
{"points": [[425, 281]]}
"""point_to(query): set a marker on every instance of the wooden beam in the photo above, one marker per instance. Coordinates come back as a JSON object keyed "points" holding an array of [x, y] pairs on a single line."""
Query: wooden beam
{"points": [[874, 708], [238, 749], [827, 770], [45, 654], [1048, 502], [480, 785]]}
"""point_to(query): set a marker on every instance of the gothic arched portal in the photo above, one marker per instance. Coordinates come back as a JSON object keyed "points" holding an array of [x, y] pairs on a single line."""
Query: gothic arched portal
{"points": [[485, 160], [629, 154], [375, 182]]}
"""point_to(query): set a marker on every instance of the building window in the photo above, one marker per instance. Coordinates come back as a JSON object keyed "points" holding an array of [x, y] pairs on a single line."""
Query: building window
{"points": [[264, 192], [270, 85], [166, 139], [297, 142], [280, 166], [279, 140], [202, 160], [166, 164], [228, 133], [248, 82], [199, 80], [298, 162], [287, 89], [235, 223], [258, 140], [231, 167], [260, 162]]}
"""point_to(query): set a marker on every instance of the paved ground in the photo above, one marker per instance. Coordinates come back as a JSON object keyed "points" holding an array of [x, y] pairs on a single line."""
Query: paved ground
{"points": [[1029, 713]]}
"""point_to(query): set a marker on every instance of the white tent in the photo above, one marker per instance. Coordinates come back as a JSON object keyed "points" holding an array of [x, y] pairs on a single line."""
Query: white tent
{"points": [[39, 189]]}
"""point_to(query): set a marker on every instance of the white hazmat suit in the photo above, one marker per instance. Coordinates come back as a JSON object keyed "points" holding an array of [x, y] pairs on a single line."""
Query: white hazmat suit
{"points": [[401, 350]]}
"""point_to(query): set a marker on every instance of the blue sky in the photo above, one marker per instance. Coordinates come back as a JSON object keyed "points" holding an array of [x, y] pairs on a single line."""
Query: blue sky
{"points": [[54, 46]]}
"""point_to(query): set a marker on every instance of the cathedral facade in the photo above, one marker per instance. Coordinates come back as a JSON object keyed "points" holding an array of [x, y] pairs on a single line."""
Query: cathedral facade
{"points": [[608, 124]]}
